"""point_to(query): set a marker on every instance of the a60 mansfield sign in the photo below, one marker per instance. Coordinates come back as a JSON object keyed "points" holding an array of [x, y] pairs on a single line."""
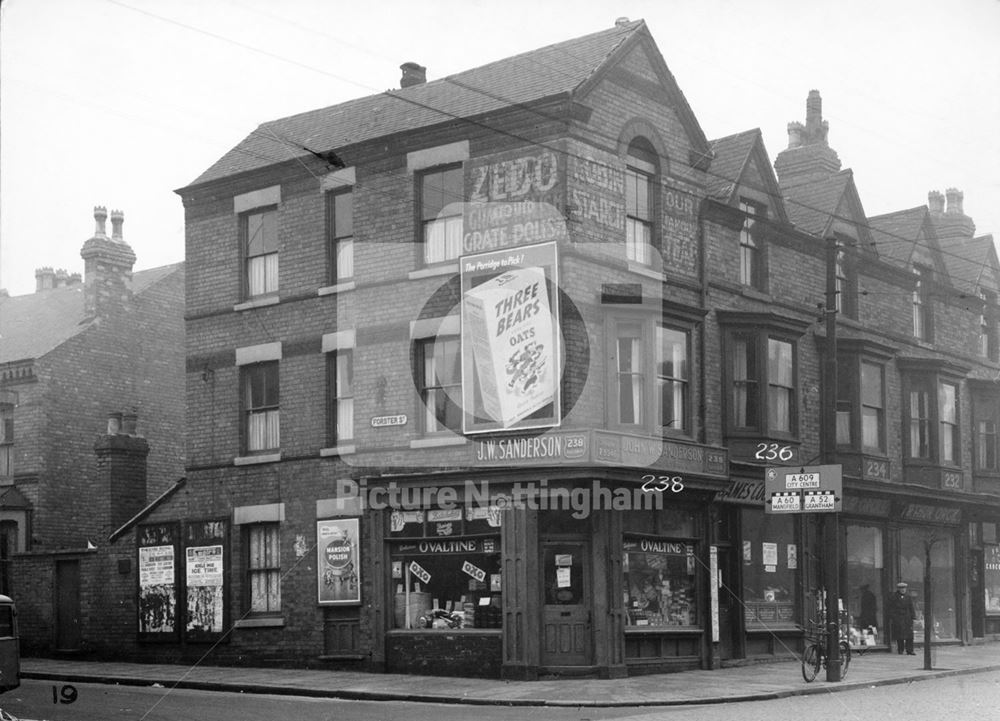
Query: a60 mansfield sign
{"points": [[803, 489]]}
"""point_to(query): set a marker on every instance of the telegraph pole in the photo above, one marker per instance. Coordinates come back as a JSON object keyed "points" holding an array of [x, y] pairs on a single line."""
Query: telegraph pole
{"points": [[831, 521]]}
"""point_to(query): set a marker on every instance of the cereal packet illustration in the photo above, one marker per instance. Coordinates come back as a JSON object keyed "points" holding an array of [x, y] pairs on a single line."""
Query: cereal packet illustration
{"points": [[509, 324]]}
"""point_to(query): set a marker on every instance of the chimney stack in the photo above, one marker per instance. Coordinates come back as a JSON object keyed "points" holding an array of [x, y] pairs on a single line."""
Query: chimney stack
{"points": [[107, 281], [413, 74], [121, 468], [808, 153], [44, 279]]}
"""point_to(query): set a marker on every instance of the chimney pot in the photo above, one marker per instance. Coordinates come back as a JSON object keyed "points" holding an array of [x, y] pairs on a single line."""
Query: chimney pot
{"points": [[114, 423], [935, 201], [795, 134], [621, 21], [130, 422], [61, 278], [117, 218], [100, 215], [955, 198], [44, 279], [413, 74]]}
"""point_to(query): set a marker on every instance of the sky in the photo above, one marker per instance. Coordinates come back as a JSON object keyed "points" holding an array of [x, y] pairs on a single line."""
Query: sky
{"points": [[120, 102]]}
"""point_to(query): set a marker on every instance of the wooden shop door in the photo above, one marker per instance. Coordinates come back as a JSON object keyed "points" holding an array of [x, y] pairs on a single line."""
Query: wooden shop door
{"points": [[566, 607]]}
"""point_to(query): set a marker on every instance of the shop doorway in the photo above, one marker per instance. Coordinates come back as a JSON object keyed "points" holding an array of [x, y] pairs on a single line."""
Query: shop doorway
{"points": [[729, 604], [566, 609]]}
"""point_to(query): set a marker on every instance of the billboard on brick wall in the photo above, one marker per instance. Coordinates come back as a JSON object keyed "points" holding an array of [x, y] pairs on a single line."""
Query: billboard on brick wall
{"points": [[511, 360]]}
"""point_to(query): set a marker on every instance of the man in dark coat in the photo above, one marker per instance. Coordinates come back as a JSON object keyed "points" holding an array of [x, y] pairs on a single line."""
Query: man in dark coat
{"points": [[901, 615]]}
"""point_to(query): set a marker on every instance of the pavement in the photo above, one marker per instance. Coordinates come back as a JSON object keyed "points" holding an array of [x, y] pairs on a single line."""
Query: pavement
{"points": [[739, 683]]}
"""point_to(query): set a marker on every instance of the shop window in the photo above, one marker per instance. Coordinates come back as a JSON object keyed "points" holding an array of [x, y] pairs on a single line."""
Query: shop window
{"points": [[770, 561], [445, 568], [340, 388], [260, 407], [263, 568], [440, 221], [864, 596], [913, 544], [259, 231], [660, 581], [991, 578], [439, 370], [340, 235]]}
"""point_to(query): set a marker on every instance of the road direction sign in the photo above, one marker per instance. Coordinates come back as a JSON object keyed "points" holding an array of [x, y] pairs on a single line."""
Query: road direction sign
{"points": [[803, 489]]}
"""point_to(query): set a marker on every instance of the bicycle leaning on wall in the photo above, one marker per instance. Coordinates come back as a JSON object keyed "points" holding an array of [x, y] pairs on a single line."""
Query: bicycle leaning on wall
{"points": [[814, 656]]}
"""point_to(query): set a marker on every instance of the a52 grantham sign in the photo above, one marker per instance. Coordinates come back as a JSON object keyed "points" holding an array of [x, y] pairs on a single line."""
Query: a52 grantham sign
{"points": [[803, 489]]}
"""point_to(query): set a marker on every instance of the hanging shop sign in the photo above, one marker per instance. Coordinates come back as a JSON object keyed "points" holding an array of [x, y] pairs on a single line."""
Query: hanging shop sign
{"points": [[803, 489], [338, 564]]}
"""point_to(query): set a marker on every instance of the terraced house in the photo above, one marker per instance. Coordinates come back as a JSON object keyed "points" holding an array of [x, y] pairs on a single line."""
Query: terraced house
{"points": [[484, 375]]}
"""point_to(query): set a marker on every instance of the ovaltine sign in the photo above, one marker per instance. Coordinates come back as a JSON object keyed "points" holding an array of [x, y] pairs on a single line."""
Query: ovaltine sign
{"points": [[510, 339]]}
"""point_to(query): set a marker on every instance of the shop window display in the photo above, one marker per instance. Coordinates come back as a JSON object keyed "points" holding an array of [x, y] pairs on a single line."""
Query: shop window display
{"points": [[864, 595], [660, 583], [911, 566], [770, 558], [991, 580], [445, 570]]}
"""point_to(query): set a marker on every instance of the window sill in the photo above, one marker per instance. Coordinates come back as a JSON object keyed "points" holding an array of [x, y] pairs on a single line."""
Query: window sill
{"points": [[692, 630], [433, 270], [645, 270], [337, 288], [257, 303], [438, 441], [256, 460], [344, 450], [262, 622]]}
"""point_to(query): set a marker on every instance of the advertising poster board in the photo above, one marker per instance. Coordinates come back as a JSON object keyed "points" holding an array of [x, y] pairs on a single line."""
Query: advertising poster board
{"points": [[157, 592], [511, 351], [338, 563]]}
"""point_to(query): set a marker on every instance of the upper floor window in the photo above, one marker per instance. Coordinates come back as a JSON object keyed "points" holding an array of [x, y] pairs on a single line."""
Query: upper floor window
{"points": [[650, 367], [845, 284], [761, 372], [986, 426], [259, 229], [751, 262], [441, 225], [340, 235], [340, 385], [861, 404], [6, 440], [922, 320], [263, 568], [439, 369], [931, 418], [260, 407], [640, 184]]}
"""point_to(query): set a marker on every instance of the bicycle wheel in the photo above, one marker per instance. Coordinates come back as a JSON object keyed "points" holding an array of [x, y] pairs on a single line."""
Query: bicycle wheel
{"points": [[845, 658], [811, 659]]}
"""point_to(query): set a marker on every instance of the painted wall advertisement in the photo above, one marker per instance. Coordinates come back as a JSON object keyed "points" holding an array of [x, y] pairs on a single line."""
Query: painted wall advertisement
{"points": [[157, 581], [511, 360], [338, 564]]}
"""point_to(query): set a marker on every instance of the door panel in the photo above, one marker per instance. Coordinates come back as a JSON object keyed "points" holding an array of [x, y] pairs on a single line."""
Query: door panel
{"points": [[566, 617]]}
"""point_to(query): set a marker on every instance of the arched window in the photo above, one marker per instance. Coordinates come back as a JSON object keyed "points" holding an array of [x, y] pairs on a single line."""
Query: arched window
{"points": [[641, 170]]}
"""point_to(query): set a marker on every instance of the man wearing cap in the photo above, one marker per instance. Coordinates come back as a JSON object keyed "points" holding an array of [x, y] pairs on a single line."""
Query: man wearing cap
{"points": [[901, 615]]}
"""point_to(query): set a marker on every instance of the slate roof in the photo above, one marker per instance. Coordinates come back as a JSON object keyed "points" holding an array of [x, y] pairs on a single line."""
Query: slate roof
{"points": [[967, 259], [812, 203], [731, 155], [32, 325], [554, 70], [896, 233]]}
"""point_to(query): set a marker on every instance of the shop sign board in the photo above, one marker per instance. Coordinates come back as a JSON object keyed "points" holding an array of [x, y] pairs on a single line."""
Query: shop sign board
{"points": [[803, 489]]}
